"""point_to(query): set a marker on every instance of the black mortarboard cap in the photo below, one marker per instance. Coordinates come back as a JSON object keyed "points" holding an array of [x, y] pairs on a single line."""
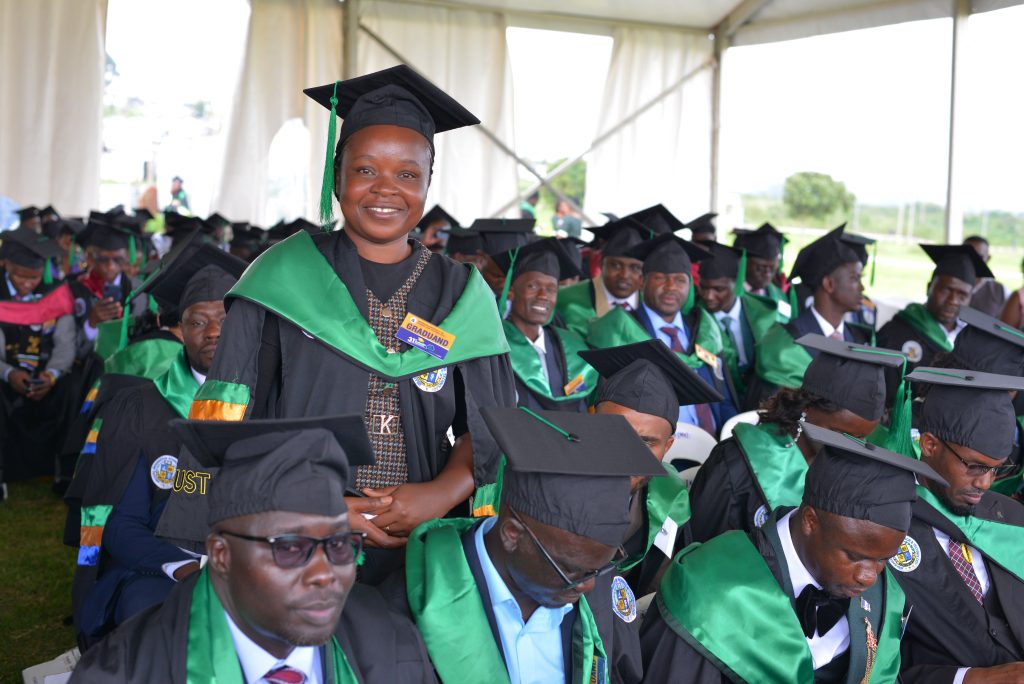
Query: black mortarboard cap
{"points": [[959, 261], [28, 213], [143, 213], [48, 210], [820, 258], [437, 213], [215, 219], [703, 225], [304, 224], [396, 97], [856, 479], [292, 465], [571, 470], [724, 262], [657, 219], [546, 256], [668, 254], [620, 236], [648, 378], [989, 345], [462, 241], [501, 234], [103, 234], [191, 272], [572, 247], [25, 247], [179, 223], [70, 225], [763, 243], [852, 376], [970, 408]]}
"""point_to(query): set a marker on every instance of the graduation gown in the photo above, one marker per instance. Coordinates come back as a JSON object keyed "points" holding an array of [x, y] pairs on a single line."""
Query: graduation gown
{"points": [[705, 344], [85, 299], [382, 647], [781, 362], [130, 431], [948, 628], [618, 637], [756, 655], [565, 370], [916, 333], [757, 315], [577, 306], [270, 366]]}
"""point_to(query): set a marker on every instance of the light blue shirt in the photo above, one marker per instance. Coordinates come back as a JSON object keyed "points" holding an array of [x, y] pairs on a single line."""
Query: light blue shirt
{"points": [[687, 414], [533, 650]]}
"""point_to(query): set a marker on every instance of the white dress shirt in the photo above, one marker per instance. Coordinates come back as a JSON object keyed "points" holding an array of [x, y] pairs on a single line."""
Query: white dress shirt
{"points": [[826, 328], [951, 334], [541, 347], [736, 328], [824, 648], [256, 662], [632, 300]]}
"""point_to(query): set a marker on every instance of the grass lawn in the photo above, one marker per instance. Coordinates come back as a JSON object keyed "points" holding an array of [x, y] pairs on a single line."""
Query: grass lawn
{"points": [[35, 579]]}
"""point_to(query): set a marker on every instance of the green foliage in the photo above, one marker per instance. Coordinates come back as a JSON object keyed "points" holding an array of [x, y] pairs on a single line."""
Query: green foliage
{"points": [[572, 183], [816, 195]]}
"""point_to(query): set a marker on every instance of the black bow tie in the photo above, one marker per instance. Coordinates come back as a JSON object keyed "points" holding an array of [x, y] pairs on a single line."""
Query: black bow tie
{"points": [[819, 612]]}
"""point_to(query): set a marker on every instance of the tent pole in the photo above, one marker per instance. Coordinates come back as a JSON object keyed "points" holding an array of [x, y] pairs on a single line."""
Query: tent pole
{"points": [[954, 206]]}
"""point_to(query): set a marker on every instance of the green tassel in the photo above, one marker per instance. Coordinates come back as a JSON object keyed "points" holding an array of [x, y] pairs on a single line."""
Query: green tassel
{"points": [[690, 298], [741, 274], [48, 272], [153, 306], [361, 558], [503, 300], [122, 341], [793, 311], [73, 256], [327, 189], [874, 261], [899, 439], [782, 250], [132, 256]]}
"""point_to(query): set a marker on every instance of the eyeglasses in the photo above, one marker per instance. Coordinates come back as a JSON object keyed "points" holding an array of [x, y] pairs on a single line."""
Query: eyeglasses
{"points": [[977, 469], [620, 557], [294, 550]]}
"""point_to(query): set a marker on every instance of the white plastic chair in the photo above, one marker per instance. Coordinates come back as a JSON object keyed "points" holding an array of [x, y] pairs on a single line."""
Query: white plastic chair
{"points": [[749, 417], [692, 445]]}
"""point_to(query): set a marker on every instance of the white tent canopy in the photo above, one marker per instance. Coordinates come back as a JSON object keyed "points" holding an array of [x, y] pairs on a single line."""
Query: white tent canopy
{"points": [[660, 108]]}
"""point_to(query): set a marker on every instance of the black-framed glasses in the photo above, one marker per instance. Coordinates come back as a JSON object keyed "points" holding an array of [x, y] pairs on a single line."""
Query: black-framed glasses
{"points": [[620, 557], [977, 469], [295, 550]]}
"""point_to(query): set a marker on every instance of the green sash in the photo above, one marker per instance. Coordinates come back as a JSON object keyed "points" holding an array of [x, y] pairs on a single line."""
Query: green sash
{"points": [[760, 313], [779, 359], [575, 307], [146, 358], [617, 327], [1002, 543], [177, 385], [667, 497], [281, 280], [211, 652], [449, 611], [917, 317], [527, 365], [722, 599], [778, 465]]}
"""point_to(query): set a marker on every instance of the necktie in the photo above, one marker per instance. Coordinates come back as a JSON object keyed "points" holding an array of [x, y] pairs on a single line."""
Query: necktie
{"points": [[705, 419], [285, 675], [965, 569], [818, 612], [623, 305], [726, 323], [836, 335]]}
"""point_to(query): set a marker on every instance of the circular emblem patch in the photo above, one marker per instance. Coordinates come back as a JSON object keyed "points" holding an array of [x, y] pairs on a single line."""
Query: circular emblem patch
{"points": [[162, 471], [623, 602], [912, 348], [79, 307], [761, 516], [432, 381], [908, 557], [868, 315]]}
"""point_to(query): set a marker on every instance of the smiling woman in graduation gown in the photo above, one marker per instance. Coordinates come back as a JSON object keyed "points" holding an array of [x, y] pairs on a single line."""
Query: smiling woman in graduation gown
{"points": [[364, 320]]}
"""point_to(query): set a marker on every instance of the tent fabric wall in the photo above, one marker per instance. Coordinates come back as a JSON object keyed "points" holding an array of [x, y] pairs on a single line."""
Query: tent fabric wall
{"points": [[291, 45], [464, 53], [664, 154], [52, 61]]}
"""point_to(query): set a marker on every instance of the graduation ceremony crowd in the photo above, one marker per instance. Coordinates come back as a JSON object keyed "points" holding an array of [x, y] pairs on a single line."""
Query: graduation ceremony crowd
{"points": [[390, 448]]}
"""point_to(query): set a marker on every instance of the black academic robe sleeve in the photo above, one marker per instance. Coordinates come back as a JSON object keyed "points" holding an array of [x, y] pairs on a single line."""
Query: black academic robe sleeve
{"points": [[898, 332], [724, 495], [667, 658]]}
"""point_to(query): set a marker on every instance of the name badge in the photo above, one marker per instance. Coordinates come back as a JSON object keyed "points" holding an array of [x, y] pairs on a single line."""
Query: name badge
{"points": [[666, 537], [425, 336], [706, 356], [577, 385]]}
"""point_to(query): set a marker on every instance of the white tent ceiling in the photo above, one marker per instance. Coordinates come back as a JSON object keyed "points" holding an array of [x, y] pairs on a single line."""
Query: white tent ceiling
{"points": [[746, 21]]}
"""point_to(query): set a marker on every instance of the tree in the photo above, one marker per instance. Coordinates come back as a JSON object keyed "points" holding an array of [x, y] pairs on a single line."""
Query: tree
{"points": [[816, 195]]}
